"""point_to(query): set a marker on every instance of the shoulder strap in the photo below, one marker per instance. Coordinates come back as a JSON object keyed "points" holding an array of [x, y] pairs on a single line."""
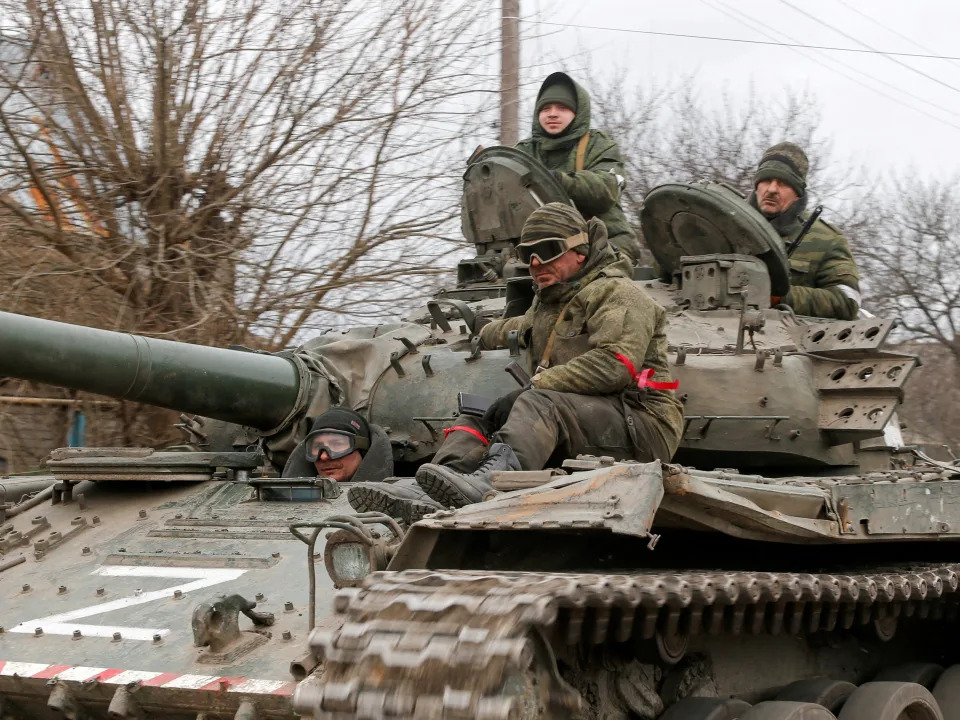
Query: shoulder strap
{"points": [[581, 151], [548, 349]]}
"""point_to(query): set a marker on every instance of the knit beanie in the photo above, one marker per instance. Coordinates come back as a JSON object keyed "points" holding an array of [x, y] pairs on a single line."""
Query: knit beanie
{"points": [[555, 220], [559, 90], [344, 420], [787, 162]]}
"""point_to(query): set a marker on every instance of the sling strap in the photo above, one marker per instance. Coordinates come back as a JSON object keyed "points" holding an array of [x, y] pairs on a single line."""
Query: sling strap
{"points": [[548, 348], [581, 151]]}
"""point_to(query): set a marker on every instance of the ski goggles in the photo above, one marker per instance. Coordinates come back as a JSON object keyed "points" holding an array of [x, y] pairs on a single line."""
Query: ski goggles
{"points": [[337, 443], [549, 249]]}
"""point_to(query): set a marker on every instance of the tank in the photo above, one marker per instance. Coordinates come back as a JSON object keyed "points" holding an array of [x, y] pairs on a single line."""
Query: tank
{"points": [[793, 552], [794, 561]]}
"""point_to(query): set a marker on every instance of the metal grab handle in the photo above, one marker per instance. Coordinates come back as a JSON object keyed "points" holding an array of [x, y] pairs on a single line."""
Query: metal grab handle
{"points": [[355, 524], [466, 314]]}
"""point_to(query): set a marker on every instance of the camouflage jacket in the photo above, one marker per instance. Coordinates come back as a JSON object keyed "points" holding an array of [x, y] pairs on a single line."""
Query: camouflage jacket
{"points": [[823, 274], [604, 313], [596, 189]]}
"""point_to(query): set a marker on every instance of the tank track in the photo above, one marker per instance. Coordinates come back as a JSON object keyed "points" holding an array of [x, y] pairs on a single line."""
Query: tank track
{"points": [[439, 644]]}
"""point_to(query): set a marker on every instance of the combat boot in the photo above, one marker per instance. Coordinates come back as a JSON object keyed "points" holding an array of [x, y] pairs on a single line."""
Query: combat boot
{"points": [[456, 489], [403, 499]]}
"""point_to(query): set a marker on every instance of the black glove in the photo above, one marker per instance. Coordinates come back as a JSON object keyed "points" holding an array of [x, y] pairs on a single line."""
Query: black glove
{"points": [[496, 415], [479, 324]]}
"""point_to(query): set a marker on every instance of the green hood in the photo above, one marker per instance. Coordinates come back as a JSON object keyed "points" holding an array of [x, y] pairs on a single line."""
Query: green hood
{"points": [[576, 130]]}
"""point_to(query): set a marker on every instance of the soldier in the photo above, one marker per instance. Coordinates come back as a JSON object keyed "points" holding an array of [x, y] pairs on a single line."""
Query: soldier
{"points": [[343, 446], [336, 444], [823, 274], [598, 348], [586, 162]]}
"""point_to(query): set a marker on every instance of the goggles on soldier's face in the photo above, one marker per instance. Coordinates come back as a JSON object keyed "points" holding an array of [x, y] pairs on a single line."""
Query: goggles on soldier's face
{"points": [[549, 249], [337, 444]]}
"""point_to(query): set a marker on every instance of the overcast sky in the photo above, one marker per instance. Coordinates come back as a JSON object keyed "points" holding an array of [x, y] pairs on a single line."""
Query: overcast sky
{"points": [[879, 110]]}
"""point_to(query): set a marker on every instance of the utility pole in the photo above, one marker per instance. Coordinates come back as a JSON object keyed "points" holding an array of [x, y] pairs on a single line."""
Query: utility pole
{"points": [[509, 72]]}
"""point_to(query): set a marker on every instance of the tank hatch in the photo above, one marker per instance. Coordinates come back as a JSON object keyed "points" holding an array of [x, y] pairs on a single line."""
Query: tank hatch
{"points": [[684, 219], [501, 187]]}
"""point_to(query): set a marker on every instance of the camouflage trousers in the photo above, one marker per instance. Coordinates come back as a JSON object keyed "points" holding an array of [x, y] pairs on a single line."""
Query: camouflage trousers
{"points": [[545, 427]]}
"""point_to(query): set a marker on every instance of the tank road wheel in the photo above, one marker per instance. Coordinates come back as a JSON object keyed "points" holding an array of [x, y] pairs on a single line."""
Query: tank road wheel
{"points": [[539, 691], [832, 694], [885, 628], [891, 701], [925, 674], [947, 693], [780, 710], [694, 708], [671, 646]]}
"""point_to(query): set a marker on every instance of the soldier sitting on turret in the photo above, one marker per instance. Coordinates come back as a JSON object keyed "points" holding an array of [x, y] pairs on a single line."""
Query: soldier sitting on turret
{"points": [[823, 274], [598, 346], [586, 162]]}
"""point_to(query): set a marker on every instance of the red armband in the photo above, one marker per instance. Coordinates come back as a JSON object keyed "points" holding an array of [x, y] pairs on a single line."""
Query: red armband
{"points": [[643, 377], [467, 429]]}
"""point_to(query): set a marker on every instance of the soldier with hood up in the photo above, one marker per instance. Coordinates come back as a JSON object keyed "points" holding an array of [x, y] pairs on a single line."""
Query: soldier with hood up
{"points": [[586, 162], [823, 274], [598, 354]]}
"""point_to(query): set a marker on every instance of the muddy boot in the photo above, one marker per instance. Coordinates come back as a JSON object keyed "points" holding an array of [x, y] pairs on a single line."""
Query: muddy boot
{"points": [[452, 488], [403, 499]]}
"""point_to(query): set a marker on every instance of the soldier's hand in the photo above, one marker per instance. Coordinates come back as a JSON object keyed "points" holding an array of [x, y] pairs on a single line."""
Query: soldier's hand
{"points": [[496, 415], [479, 324]]}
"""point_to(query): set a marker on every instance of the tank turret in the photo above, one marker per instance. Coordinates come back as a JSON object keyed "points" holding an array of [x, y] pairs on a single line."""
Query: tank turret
{"points": [[762, 389]]}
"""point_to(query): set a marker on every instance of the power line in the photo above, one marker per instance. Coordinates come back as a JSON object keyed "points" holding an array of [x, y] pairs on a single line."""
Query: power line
{"points": [[753, 23], [876, 22], [869, 51], [872, 49]]}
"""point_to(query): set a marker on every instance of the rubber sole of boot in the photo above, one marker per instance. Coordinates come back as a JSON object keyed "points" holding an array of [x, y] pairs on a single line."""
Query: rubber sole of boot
{"points": [[440, 488], [365, 499]]}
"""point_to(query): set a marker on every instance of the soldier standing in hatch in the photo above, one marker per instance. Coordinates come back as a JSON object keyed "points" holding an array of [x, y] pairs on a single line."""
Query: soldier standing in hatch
{"points": [[586, 162], [823, 274], [598, 349]]}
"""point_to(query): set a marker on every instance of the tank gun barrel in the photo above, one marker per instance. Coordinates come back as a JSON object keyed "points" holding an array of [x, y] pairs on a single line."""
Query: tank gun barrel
{"points": [[240, 387]]}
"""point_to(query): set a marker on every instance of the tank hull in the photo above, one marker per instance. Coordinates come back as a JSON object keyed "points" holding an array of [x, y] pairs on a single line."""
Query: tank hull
{"points": [[111, 599]]}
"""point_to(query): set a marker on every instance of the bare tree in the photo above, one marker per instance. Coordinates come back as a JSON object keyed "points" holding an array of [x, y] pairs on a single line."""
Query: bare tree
{"points": [[234, 172], [671, 132], [908, 239], [227, 168], [911, 259]]}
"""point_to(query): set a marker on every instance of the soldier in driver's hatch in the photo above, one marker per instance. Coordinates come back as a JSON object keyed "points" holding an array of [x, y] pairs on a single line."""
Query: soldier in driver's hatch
{"points": [[336, 444], [823, 275], [598, 353], [586, 162], [343, 446]]}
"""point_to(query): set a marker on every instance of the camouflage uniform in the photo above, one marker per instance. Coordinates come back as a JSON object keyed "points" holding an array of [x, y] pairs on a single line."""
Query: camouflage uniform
{"points": [[596, 189], [585, 401], [823, 274]]}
